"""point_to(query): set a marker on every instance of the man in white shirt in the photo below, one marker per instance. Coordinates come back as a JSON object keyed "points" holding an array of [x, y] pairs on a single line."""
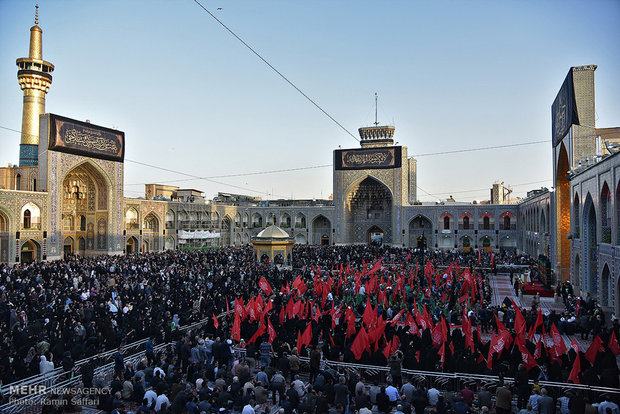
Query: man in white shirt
{"points": [[392, 393], [248, 409], [433, 396], [161, 400], [151, 396], [602, 407]]}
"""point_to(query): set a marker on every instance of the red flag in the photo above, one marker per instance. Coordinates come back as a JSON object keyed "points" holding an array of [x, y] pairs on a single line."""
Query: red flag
{"points": [[257, 334], [574, 373], [479, 256], [574, 345], [397, 317], [387, 351], [299, 341], [413, 326], [265, 286], [519, 319], [539, 322], [539, 345], [436, 335], [215, 322], [613, 344], [306, 337], [370, 315], [490, 355], [239, 307], [444, 330], [500, 326], [395, 344], [270, 331], [235, 333], [442, 354], [492, 260], [558, 342], [227, 308], [350, 318], [376, 266], [528, 359], [360, 343], [595, 347]]}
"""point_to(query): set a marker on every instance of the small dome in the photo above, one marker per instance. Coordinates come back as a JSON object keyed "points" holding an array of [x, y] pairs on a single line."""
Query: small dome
{"points": [[273, 232]]}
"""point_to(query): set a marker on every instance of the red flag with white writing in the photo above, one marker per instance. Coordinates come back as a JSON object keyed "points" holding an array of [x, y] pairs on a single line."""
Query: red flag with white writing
{"points": [[271, 331], [265, 286]]}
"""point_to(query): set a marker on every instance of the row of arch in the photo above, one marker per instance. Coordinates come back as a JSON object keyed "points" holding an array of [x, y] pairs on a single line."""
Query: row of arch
{"points": [[150, 223], [606, 216], [486, 221], [30, 218], [590, 281], [535, 218], [20, 182], [245, 220]]}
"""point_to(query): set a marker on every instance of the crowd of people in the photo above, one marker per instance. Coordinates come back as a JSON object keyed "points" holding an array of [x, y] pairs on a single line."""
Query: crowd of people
{"points": [[219, 379], [371, 305]]}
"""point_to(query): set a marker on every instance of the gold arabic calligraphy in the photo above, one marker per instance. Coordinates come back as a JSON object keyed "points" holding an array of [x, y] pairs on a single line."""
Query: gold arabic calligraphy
{"points": [[374, 158], [92, 142]]}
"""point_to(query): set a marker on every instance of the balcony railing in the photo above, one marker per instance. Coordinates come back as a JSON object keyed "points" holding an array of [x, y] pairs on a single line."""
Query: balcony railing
{"points": [[511, 227]]}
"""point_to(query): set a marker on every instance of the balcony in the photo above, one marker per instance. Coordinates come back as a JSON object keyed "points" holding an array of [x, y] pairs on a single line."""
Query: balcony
{"points": [[510, 227]]}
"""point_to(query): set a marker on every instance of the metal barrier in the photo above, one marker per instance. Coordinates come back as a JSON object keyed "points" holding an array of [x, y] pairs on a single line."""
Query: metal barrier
{"points": [[457, 380], [44, 388], [130, 350]]}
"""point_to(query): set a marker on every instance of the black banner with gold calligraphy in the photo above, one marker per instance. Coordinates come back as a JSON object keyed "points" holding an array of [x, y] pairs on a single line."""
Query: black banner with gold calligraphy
{"points": [[81, 138], [368, 158], [564, 110]]}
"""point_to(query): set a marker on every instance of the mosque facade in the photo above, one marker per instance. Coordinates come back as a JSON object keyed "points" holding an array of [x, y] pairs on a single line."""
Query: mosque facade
{"points": [[66, 197]]}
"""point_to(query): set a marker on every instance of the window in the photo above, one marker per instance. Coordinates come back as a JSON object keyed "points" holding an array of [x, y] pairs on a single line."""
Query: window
{"points": [[82, 223], [486, 223], [68, 222], [131, 219], [465, 223], [27, 217], [446, 223], [18, 181], [507, 223]]}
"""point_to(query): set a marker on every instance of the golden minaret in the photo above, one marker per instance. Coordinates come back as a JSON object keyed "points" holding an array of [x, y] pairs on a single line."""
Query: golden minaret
{"points": [[34, 77]]}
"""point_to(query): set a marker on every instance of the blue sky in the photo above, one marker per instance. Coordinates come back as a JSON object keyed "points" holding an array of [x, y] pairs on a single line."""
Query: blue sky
{"points": [[450, 75]]}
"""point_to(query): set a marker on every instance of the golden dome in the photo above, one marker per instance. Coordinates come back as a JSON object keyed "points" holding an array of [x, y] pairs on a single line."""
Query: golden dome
{"points": [[273, 232]]}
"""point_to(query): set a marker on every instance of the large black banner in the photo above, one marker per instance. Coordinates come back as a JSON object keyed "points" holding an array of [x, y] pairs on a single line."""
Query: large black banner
{"points": [[368, 158], [564, 110], [81, 138]]}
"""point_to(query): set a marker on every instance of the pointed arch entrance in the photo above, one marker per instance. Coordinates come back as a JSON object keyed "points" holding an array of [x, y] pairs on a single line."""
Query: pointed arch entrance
{"points": [[606, 287], [4, 237], [321, 230], [591, 251], [68, 246], [368, 203], [375, 236], [131, 245], [420, 230], [29, 252], [85, 196], [562, 205]]}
